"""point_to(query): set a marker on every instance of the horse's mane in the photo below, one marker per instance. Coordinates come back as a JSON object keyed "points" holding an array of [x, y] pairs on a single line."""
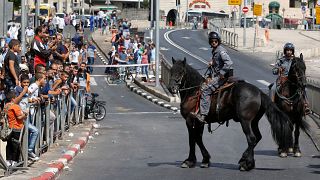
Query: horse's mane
{"points": [[299, 63], [193, 76]]}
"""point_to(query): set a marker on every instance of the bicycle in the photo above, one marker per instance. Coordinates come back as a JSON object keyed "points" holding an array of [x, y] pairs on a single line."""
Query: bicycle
{"points": [[114, 77], [95, 107]]}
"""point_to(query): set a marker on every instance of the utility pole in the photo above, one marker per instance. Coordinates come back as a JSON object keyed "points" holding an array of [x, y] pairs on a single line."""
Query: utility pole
{"points": [[157, 43], [37, 13], [244, 25], [138, 4], [151, 19], [187, 13], [23, 26]]}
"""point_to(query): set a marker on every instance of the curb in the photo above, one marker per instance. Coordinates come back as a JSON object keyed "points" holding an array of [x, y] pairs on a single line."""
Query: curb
{"points": [[56, 168], [152, 99]]}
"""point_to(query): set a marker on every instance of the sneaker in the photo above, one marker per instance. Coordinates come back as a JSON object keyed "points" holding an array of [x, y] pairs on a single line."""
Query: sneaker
{"points": [[8, 162], [13, 163], [33, 156]]}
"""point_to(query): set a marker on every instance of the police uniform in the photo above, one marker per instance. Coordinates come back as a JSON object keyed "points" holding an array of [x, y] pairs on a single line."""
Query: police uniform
{"points": [[221, 66], [283, 63]]}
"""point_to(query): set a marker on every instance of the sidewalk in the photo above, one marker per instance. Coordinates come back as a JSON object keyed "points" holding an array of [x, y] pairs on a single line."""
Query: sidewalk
{"points": [[56, 159]]}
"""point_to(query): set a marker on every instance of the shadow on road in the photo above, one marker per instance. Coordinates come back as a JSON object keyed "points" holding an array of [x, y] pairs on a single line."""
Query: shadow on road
{"points": [[266, 152]]}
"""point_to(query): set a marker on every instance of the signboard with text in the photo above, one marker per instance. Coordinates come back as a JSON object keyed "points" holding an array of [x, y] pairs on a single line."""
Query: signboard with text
{"points": [[234, 2], [318, 15], [257, 10]]}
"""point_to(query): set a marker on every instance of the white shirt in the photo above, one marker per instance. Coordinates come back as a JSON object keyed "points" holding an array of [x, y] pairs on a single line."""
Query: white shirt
{"points": [[55, 20], [29, 32], [74, 56], [34, 90], [61, 23]]}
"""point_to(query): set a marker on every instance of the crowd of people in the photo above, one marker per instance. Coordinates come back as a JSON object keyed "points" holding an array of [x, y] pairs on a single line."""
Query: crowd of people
{"points": [[51, 67]]}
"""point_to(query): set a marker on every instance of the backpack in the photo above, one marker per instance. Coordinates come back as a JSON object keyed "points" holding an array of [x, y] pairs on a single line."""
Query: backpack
{"points": [[5, 130]]}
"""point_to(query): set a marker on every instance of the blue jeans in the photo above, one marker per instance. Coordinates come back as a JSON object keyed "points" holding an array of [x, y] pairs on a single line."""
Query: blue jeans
{"points": [[90, 62], [33, 135], [145, 71], [73, 103], [10, 85]]}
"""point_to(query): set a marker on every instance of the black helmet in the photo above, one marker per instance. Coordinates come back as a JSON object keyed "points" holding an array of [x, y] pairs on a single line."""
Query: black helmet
{"points": [[214, 35], [287, 46]]}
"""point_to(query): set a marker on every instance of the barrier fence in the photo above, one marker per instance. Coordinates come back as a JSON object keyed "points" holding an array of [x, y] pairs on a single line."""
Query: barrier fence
{"points": [[227, 37], [51, 118]]}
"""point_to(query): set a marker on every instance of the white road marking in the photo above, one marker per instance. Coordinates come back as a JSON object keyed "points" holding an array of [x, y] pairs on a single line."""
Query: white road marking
{"points": [[204, 48], [163, 49], [185, 37], [166, 36], [93, 82], [264, 82]]}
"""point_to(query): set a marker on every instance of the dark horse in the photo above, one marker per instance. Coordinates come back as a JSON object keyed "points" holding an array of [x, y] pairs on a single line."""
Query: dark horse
{"points": [[241, 102], [289, 98]]}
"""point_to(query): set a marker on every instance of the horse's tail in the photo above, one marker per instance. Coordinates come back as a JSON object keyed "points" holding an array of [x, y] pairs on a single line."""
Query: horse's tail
{"points": [[281, 126]]}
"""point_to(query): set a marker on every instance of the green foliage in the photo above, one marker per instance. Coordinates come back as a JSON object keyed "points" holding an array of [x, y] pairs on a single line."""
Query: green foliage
{"points": [[145, 4], [16, 4]]}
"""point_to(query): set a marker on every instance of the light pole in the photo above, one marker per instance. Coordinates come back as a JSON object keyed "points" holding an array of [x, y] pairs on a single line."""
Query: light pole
{"points": [[244, 25], [37, 9], [23, 26], [151, 19], [157, 43]]}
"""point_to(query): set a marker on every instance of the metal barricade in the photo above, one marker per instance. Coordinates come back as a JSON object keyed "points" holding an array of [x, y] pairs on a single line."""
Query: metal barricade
{"points": [[40, 117]]}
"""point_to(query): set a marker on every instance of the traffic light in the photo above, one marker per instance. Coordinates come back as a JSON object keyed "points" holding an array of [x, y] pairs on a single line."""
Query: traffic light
{"points": [[177, 2]]}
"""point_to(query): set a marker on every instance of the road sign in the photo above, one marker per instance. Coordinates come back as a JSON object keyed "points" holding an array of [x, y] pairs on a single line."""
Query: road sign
{"points": [[235, 2], [318, 15], [245, 9], [257, 10]]}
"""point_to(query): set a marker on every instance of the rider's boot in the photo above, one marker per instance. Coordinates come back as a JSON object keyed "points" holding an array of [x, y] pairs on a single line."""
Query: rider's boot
{"points": [[200, 117]]}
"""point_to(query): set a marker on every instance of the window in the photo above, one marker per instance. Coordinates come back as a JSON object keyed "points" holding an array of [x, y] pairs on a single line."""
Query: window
{"points": [[292, 3]]}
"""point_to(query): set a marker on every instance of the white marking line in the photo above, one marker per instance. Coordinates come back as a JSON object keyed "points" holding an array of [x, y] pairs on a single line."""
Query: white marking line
{"points": [[163, 49], [204, 48], [264, 82], [166, 36], [185, 37], [138, 113], [93, 82]]}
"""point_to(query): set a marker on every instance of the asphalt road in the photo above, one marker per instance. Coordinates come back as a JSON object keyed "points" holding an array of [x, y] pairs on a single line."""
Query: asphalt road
{"points": [[140, 140]]}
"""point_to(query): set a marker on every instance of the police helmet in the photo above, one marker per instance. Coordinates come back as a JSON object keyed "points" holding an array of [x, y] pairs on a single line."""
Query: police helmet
{"points": [[289, 46], [214, 35]]}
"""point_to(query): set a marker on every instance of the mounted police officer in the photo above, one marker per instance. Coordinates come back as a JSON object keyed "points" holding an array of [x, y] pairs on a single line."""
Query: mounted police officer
{"points": [[219, 71], [282, 68]]}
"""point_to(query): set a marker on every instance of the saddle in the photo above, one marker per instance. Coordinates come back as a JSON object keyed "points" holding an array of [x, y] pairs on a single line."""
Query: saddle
{"points": [[228, 83]]}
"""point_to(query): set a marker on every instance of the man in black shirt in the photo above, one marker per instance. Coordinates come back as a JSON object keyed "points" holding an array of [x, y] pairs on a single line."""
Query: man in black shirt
{"points": [[11, 67]]}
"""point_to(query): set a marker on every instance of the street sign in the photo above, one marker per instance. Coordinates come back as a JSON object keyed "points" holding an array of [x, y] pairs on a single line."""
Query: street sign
{"points": [[257, 10], [245, 9], [235, 2], [318, 15]]}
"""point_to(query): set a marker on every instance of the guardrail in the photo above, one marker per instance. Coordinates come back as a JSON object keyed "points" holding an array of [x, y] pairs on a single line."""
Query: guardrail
{"points": [[51, 118], [165, 70], [227, 37]]}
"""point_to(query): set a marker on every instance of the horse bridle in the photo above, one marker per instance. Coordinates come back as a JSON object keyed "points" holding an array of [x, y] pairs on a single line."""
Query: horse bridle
{"points": [[299, 90]]}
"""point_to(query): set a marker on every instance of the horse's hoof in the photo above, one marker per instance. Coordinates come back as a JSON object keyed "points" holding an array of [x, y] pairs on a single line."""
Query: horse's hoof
{"points": [[283, 155], [297, 154], [184, 165], [290, 150], [205, 165]]}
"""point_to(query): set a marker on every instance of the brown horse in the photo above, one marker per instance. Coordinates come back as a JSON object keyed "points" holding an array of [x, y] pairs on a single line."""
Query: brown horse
{"points": [[241, 102], [289, 98]]}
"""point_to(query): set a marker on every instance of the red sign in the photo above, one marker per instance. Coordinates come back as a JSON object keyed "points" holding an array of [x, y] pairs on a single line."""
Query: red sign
{"points": [[245, 9]]}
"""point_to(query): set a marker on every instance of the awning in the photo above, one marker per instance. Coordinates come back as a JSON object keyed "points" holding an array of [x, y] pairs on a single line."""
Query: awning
{"points": [[104, 7]]}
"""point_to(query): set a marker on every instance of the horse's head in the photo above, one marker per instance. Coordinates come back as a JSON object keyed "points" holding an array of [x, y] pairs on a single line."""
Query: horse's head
{"points": [[177, 73], [297, 74]]}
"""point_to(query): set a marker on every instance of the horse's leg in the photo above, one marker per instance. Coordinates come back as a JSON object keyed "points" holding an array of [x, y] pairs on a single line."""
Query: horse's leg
{"points": [[296, 148], [191, 161], [247, 160], [206, 156]]}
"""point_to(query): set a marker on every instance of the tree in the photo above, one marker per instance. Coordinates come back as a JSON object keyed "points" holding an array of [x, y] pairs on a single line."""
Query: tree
{"points": [[16, 4], [145, 4]]}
